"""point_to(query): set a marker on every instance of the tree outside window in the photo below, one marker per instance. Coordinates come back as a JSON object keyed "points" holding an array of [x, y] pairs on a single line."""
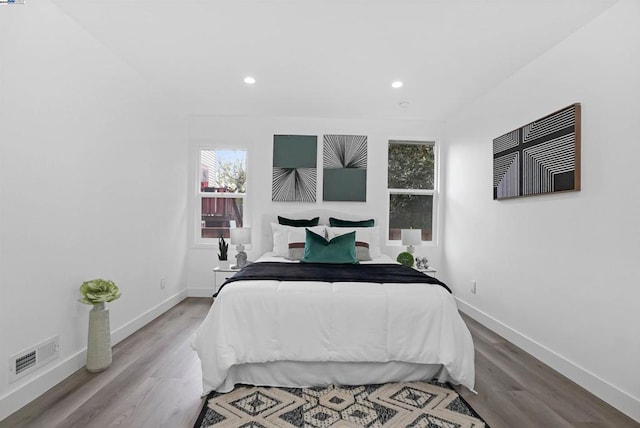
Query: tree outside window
{"points": [[411, 186], [222, 191]]}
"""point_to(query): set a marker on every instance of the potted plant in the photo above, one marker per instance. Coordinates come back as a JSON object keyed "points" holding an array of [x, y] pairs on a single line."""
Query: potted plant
{"points": [[97, 292], [223, 248]]}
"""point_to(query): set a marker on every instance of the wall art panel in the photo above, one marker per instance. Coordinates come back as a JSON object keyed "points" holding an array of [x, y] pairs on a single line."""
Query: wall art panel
{"points": [[294, 168], [344, 168], [540, 157]]}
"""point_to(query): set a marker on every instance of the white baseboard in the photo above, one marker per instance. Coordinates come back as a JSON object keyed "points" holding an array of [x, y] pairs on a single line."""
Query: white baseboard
{"points": [[199, 292], [136, 324], [599, 387], [23, 395], [16, 399]]}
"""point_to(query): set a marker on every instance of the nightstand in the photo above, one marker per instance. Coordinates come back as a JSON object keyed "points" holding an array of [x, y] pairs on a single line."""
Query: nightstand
{"points": [[220, 275], [431, 271]]}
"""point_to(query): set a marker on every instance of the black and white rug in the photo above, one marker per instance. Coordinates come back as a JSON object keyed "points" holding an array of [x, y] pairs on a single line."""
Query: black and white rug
{"points": [[413, 404]]}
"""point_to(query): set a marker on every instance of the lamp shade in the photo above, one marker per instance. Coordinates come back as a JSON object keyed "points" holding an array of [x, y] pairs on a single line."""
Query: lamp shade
{"points": [[411, 237], [240, 235]]}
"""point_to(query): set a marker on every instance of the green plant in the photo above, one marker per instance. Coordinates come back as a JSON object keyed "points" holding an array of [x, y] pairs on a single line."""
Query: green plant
{"points": [[99, 291], [223, 246], [405, 258]]}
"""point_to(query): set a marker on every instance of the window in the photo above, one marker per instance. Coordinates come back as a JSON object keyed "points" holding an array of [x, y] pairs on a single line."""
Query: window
{"points": [[412, 187], [222, 191]]}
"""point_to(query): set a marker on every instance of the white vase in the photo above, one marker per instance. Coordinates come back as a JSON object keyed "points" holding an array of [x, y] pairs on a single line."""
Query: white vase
{"points": [[99, 339], [224, 264]]}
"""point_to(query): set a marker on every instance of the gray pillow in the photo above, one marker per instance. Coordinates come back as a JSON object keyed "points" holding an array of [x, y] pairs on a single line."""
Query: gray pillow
{"points": [[362, 251], [296, 250]]}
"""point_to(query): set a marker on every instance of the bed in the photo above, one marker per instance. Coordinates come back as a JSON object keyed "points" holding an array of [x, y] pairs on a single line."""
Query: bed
{"points": [[310, 331]]}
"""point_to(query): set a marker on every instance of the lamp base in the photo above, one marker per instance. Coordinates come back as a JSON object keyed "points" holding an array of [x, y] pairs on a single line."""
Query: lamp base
{"points": [[410, 249], [241, 260]]}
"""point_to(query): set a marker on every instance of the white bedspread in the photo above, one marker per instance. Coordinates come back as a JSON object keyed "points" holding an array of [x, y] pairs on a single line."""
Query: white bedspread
{"points": [[265, 321]]}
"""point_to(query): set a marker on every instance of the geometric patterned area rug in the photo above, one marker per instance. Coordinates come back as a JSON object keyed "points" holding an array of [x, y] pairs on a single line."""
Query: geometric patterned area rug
{"points": [[410, 404]]}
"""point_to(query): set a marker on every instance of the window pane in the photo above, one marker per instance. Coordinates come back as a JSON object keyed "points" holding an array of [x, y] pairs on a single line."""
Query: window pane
{"points": [[411, 166], [410, 212], [219, 214], [223, 171]]}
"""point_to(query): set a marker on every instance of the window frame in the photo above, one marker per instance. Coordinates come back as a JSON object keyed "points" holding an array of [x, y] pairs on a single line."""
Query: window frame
{"points": [[199, 195], [418, 192]]}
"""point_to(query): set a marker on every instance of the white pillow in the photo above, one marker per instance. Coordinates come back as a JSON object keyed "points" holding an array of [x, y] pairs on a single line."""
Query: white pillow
{"points": [[281, 237], [370, 235]]}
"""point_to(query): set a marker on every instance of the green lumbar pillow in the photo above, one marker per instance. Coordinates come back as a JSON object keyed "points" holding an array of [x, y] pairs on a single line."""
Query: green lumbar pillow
{"points": [[341, 249], [336, 222], [298, 222], [405, 258]]}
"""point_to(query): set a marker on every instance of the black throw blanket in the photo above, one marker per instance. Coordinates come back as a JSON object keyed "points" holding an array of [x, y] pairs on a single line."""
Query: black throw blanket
{"points": [[329, 272]]}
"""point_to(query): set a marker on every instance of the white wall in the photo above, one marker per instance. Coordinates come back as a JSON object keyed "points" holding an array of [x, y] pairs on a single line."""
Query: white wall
{"points": [[558, 274], [92, 184], [256, 134]]}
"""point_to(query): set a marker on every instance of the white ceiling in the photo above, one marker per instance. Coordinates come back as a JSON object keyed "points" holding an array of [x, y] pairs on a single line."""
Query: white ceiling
{"points": [[329, 58]]}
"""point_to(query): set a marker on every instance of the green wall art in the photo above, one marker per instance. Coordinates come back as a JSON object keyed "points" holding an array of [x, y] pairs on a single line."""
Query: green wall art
{"points": [[345, 168], [294, 168]]}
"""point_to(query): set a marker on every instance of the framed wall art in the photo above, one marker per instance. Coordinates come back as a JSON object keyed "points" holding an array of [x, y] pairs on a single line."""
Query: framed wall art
{"points": [[539, 158], [344, 168], [294, 168]]}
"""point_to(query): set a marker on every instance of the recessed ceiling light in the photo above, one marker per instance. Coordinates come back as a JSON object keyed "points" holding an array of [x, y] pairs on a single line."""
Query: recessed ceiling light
{"points": [[397, 84], [249, 80]]}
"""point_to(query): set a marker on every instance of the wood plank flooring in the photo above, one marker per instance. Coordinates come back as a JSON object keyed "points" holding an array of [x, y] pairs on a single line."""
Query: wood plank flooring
{"points": [[517, 390], [154, 381]]}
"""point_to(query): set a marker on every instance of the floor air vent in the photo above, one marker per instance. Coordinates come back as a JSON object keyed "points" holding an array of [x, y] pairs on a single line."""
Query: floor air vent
{"points": [[27, 361]]}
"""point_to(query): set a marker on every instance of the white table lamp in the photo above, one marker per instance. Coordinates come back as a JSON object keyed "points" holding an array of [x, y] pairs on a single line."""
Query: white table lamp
{"points": [[239, 237], [411, 238]]}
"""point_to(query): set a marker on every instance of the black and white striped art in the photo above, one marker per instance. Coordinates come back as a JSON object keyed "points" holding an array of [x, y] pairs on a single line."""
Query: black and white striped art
{"points": [[345, 151], [540, 157], [294, 184]]}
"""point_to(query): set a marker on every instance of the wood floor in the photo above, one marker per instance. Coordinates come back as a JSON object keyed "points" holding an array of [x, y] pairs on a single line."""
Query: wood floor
{"points": [[154, 381]]}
